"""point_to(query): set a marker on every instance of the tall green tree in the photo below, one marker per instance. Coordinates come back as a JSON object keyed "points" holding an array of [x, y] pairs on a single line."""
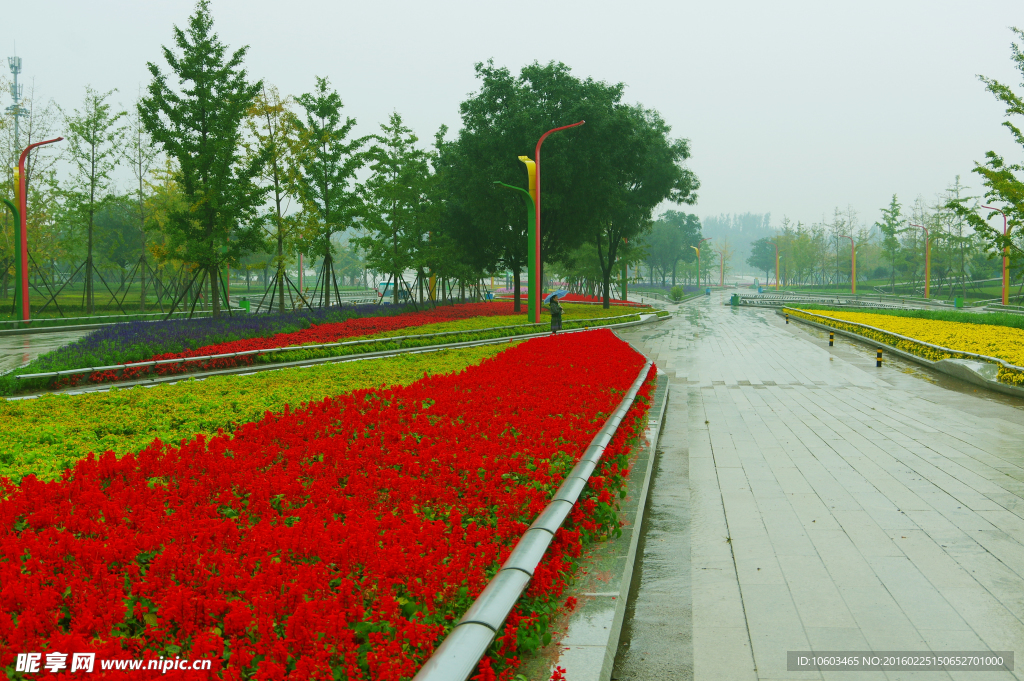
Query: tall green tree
{"points": [[272, 135], [395, 202], [95, 136], [326, 163], [199, 125], [890, 226], [669, 242], [140, 154], [1003, 180], [644, 168], [597, 180], [762, 256]]}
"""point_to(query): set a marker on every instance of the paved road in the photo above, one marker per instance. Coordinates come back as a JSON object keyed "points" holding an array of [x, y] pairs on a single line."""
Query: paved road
{"points": [[806, 500]]}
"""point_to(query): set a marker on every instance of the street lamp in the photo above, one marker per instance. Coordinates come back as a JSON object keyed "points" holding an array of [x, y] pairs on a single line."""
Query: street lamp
{"points": [[853, 264], [721, 269], [1006, 259], [22, 238], [697, 248], [535, 293], [927, 259]]}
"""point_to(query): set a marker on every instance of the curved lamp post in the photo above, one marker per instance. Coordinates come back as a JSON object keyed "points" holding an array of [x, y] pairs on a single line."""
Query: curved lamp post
{"points": [[535, 291], [1006, 259], [22, 238], [927, 259], [853, 264]]}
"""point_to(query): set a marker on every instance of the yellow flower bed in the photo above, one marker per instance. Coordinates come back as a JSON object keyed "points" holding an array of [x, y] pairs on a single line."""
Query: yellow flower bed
{"points": [[1003, 342]]}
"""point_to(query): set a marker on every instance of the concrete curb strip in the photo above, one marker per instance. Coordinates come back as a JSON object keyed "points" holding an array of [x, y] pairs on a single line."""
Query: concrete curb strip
{"points": [[577, 668], [981, 372], [457, 656]]}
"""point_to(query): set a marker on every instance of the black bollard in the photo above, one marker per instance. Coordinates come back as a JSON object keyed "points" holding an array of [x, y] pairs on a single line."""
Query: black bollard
{"points": [[787, 318], [831, 339], [878, 358]]}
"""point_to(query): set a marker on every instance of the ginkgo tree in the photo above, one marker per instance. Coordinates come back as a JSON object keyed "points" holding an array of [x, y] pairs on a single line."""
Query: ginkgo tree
{"points": [[395, 201], [272, 132], [325, 162], [199, 124], [94, 135]]}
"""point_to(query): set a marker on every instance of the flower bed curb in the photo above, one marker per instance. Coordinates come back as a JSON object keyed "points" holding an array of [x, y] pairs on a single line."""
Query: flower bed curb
{"points": [[956, 368], [595, 639]]}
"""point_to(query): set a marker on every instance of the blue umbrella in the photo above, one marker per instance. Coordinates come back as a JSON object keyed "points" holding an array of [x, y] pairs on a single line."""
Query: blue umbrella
{"points": [[558, 294]]}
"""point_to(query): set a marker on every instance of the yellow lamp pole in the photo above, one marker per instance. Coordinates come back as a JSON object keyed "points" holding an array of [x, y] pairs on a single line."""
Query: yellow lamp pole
{"points": [[776, 244], [697, 248]]}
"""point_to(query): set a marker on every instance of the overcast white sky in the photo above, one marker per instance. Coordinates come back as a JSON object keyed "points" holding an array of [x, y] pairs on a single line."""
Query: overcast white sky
{"points": [[792, 108]]}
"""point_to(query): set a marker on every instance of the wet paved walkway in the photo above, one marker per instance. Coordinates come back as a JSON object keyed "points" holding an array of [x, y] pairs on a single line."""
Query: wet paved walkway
{"points": [[18, 349], [814, 502]]}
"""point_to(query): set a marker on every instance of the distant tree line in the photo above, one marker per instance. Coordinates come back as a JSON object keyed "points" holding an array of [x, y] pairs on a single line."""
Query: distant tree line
{"points": [[231, 176]]}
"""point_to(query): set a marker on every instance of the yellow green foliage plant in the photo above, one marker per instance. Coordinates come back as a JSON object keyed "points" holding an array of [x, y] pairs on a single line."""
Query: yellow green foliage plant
{"points": [[46, 435]]}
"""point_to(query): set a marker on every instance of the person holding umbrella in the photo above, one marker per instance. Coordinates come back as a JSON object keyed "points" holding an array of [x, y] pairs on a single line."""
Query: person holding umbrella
{"points": [[556, 310]]}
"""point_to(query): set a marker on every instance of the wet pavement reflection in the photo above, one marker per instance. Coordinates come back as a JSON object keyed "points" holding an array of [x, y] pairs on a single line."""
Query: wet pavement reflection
{"points": [[806, 500], [19, 349]]}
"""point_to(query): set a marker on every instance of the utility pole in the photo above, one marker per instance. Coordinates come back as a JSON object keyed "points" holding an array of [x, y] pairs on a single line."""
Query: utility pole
{"points": [[16, 110]]}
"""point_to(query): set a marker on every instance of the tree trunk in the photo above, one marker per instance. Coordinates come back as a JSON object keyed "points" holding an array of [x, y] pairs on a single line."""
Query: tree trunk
{"points": [[326, 271], [88, 270], [280, 271], [215, 290], [142, 266], [516, 287]]}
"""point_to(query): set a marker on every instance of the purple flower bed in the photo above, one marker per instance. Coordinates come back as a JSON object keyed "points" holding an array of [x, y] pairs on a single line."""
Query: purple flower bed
{"points": [[139, 340]]}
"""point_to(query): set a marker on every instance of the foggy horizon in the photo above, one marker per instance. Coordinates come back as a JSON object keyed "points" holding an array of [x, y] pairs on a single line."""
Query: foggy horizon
{"points": [[792, 110]]}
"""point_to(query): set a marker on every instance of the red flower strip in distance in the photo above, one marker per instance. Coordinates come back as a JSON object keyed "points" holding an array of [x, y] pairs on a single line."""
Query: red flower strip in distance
{"points": [[323, 333], [341, 539]]}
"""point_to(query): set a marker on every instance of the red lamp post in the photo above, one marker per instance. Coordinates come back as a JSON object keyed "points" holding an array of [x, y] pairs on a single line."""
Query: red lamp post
{"points": [[853, 265], [927, 259], [1006, 260], [535, 294], [23, 228]]}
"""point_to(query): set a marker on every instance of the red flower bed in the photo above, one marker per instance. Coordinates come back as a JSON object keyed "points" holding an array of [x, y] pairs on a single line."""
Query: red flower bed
{"points": [[338, 540]]}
